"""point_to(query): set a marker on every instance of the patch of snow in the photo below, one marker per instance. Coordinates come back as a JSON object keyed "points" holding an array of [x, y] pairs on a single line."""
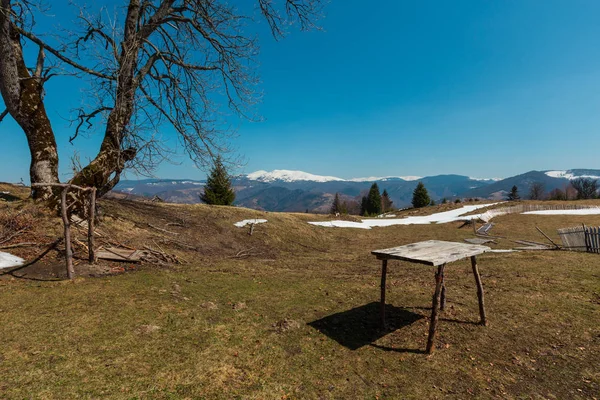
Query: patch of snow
{"points": [[568, 175], [7, 260], [559, 174], [384, 178], [342, 224], [439, 218], [245, 222], [289, 176], [585, 211], [502, 251], [485, 179]]}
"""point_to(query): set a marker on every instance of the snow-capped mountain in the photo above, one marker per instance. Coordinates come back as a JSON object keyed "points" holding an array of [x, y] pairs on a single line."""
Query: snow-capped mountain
{"points": [[573, 174], [285, 175]]}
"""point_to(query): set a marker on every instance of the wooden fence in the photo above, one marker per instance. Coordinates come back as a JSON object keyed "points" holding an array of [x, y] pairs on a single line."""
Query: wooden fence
{"points": [[581, 238]]}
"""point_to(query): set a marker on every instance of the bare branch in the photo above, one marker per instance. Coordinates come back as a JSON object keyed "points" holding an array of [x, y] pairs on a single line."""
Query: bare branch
{"points": [[60, 56], [85, 118], [3, 114], [40, 63]]}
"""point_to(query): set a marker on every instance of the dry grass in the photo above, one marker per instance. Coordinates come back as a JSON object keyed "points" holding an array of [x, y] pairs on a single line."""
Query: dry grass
{"points": [[297, 319]]}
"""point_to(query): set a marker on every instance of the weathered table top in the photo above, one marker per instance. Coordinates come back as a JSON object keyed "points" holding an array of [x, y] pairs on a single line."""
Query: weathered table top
{"points": [[431, 252]]}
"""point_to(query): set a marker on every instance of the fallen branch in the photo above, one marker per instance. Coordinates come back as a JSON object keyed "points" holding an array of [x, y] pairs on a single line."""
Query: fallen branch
{"points": [[38, 258], [14, 235], [162, 256], [12, 246], [245, 253], [182, 244], [162, 230]]}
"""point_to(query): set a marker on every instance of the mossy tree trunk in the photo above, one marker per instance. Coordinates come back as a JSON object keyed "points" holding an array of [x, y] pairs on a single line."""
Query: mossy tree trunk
{"points": [[23, 96]]}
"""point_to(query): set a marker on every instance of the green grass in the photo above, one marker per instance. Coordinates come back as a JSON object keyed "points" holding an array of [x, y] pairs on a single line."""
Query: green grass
{"points": [[90, 338]]}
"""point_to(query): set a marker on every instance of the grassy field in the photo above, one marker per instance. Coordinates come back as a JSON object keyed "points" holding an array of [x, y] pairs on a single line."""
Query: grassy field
{"points": [[297, 318]]}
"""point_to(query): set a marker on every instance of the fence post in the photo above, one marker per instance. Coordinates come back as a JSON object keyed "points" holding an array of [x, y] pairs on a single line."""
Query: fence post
{"points": [[67, 224], [91, 218]]}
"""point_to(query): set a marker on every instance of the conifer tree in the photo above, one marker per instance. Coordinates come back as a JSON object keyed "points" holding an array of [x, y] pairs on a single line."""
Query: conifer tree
{"points": [[218, 190], [386, 203], [363, 206], [514, 194], [336, 206], [420, 196], [373, 206], [344, 209]]}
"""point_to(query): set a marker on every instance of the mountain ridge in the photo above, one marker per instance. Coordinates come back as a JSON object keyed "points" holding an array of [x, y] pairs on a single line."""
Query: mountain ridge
{"points": [[298, 191]]}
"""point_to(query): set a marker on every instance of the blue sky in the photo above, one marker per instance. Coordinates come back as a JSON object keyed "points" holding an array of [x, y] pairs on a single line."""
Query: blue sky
{"points": [[480, 88]]}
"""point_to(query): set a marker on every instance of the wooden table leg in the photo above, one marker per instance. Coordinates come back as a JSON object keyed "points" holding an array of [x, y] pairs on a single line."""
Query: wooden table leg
{"points": [[479, 291], [382, 302], [443, 295], [434, 308]]}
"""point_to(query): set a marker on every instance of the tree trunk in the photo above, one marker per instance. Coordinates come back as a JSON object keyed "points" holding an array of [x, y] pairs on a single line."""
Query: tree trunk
{"points": [[105, 170], [23, 96]]}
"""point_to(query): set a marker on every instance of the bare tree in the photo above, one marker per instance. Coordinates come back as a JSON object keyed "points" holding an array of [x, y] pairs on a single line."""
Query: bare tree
{"points": [[153, 62], [586, 188], [537, 191]]}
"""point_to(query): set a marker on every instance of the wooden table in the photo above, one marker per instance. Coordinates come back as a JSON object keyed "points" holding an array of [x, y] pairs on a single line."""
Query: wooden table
{"points": [[436, 253]]}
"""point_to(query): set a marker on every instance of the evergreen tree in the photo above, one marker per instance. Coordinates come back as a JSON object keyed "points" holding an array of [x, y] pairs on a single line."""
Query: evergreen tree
{"points": [[432, 203], [444, 201], [344, 209], [373, 206], [514, 194], [363, 206], [386, 203], [336, 206], [218, 190], [420, 196]]}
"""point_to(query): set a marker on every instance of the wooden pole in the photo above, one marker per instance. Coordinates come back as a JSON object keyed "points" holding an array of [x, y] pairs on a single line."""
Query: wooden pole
{"points": [[547, 237], [67, 226], [382, 302], [443, 295], [91, 220], [586, 237], [434, 308], [479, 291]]}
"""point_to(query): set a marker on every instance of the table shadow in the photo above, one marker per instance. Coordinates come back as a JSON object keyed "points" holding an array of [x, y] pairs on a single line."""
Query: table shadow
{"points": [[359, 326]]}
